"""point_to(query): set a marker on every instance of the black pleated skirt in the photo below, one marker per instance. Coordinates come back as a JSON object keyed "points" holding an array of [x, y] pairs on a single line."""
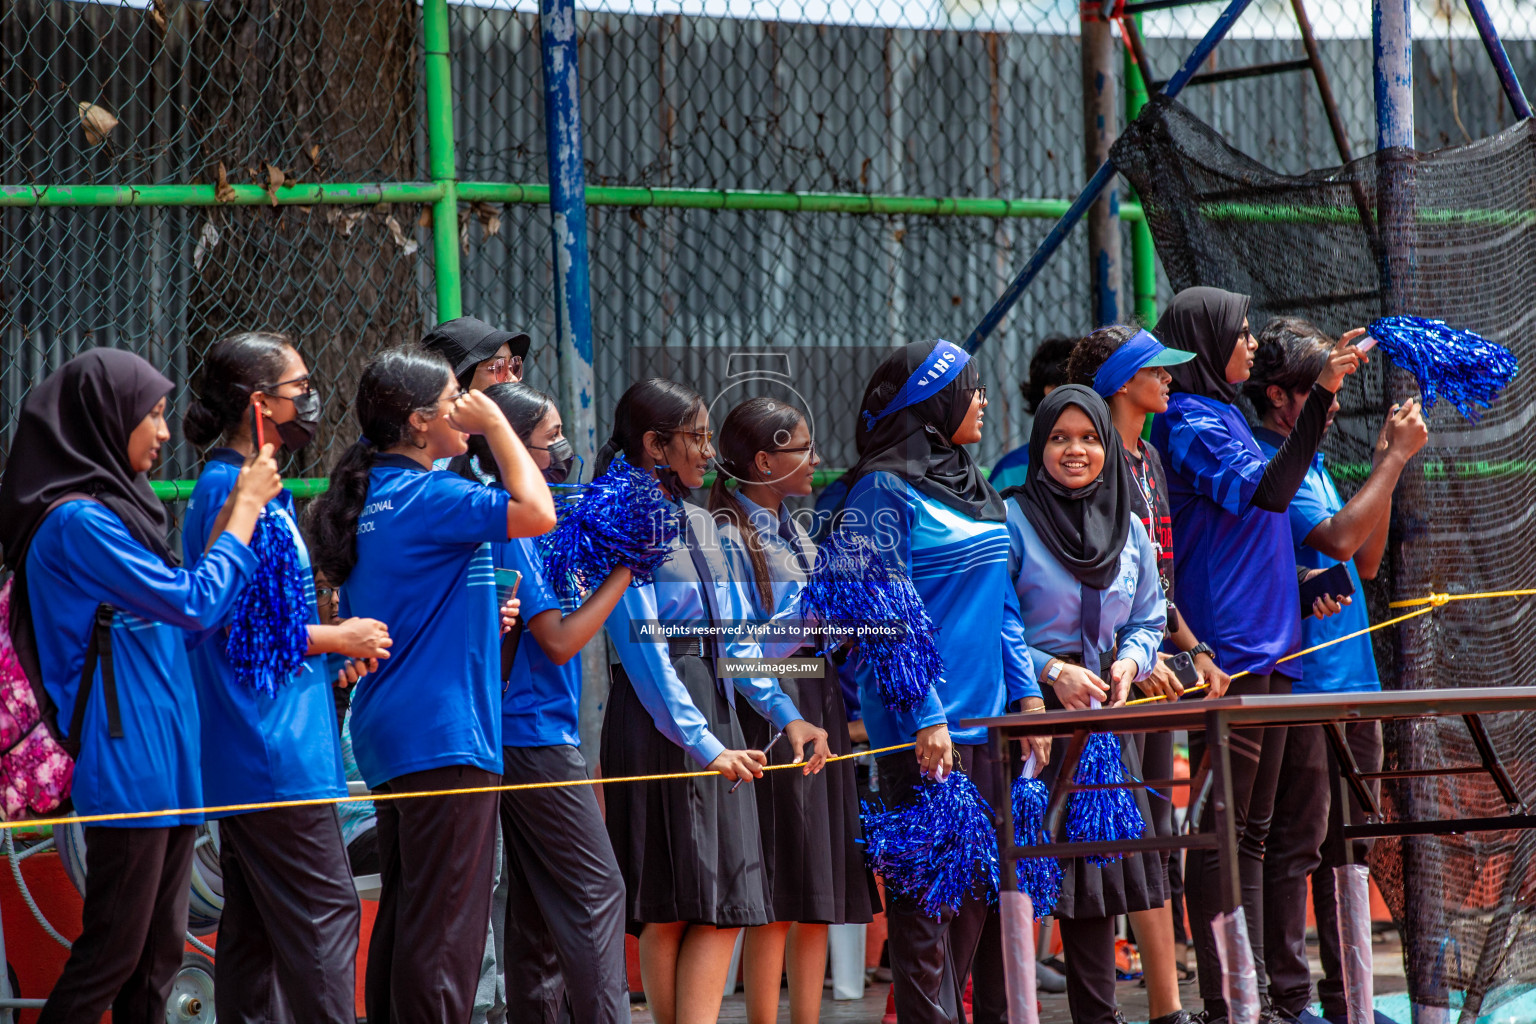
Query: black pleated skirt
{"points": [[810, 823], [1135, 881], [688, 848]]}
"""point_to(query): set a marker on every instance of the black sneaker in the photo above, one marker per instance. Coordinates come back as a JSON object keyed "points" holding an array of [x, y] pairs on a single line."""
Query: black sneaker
{"points": [[1176, 1017], [1210, 1017], [1271, 1014]]}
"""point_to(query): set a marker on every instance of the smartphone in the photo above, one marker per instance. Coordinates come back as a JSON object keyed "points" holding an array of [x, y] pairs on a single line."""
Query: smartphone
{"points": [[1334, 582], [506, 585], [506, 589], [1184, 669]]}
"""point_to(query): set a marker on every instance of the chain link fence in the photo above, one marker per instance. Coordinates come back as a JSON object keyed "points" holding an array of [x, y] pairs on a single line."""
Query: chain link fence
{"points": [[303, 122]]}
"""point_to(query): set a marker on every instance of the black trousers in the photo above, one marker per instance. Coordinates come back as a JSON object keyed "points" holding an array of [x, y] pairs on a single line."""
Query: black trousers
{"points": [[1311, 844], [565, 895], [1256, 756], [931, 957], [134, 927], [437, 857], [288, 935]]}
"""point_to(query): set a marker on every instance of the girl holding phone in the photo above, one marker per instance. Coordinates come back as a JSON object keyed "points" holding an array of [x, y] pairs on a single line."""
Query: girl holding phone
{"points": [[412, 547], [565, 899], [288, 934], [689, 849]]}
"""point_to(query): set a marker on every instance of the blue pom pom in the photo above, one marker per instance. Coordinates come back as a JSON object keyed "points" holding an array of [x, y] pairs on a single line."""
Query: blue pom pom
{"points": [[938, 848], [621, 519], [854, 586], [269, 632], [1039, 877], [1103, 815], [1466, 368]]}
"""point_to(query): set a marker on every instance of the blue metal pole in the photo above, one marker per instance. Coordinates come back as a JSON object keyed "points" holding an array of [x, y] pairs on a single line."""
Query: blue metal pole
{"points": [[1096, 184], [1501, 65], [568, 212]]}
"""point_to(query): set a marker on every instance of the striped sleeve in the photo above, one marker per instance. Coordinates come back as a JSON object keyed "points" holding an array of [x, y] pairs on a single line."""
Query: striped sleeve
{"points": [[1215, 463]]}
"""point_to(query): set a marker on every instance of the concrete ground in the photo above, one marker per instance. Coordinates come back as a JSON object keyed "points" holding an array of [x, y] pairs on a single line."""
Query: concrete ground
{"points": [[1133, 1003]]}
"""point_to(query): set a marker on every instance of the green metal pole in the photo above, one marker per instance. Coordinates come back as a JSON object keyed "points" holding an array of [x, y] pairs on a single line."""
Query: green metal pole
{"points": [[1143, 252], [440, 159], [337, 194]]}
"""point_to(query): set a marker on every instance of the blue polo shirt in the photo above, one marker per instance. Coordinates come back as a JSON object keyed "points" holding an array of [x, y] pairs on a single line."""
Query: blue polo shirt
{"points": [[1235, 574], [959, 567], [83, 556], [1345, 667], [541, 706], [283, 747], [424, 568]]}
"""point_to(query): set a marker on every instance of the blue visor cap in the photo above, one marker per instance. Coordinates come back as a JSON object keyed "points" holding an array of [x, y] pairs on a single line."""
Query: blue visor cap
{"points": [[1140, 350]]}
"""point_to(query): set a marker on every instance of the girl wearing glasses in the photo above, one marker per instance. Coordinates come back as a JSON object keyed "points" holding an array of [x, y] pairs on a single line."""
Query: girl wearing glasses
{"points": [[565, 896], [481, 354], [287, 884], [413, 548], [1236, 573], [689, 849], [919, 497], [810, 827]]}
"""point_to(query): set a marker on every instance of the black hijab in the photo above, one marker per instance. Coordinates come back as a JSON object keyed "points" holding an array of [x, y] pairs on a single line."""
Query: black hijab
{"points": [[914, 442], [1207, 322], [1085, 527], [72, 435]]}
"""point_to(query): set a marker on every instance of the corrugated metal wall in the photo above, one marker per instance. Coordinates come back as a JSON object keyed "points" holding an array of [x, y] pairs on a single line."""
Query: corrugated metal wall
{"points": [[701, 102]]}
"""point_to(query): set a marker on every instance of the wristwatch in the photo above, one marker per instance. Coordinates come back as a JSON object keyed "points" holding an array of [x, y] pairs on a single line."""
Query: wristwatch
{"points": [[1201, 648], [1053, 672]]}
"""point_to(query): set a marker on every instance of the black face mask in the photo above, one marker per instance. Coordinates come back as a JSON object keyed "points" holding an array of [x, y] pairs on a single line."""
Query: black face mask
{"points": [[300, 430], [561, 454]]}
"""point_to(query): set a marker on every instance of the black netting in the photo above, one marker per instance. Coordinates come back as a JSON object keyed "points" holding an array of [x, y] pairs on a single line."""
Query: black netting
{"points": [[1463, 514]]}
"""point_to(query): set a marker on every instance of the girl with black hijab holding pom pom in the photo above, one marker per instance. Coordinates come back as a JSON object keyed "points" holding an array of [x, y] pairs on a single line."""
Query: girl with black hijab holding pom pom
{"points": [[810, 826], [689, 848], [919, 498], [94, 578], [412, 547], [290, 909], [565, 899], [1089, 594], [1236, 574]]}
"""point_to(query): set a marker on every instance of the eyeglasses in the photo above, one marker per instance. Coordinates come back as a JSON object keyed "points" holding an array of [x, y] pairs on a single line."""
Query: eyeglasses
{"points": [[981, 392], [324, 593], [805, 449], [703, 437], [505, 368], [304, 385]]}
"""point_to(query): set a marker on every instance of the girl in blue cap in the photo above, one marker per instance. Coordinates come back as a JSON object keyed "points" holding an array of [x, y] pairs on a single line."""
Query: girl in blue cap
{"points": [[1128, 368]]}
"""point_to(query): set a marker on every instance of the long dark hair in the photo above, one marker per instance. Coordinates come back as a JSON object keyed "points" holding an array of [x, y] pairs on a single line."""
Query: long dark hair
{"points": [[656, 403], [1292, 352], [233, 368], [524, 406], [756, 425], [395, 384]]}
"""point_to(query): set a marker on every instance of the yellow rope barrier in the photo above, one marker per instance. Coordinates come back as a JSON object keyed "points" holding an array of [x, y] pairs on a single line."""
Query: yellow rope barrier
{"points": [[1428, 604], [91, 819]]}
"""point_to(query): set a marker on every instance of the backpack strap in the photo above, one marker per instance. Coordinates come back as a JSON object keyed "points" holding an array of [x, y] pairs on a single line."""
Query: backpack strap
{"points": [[98, 651]]}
